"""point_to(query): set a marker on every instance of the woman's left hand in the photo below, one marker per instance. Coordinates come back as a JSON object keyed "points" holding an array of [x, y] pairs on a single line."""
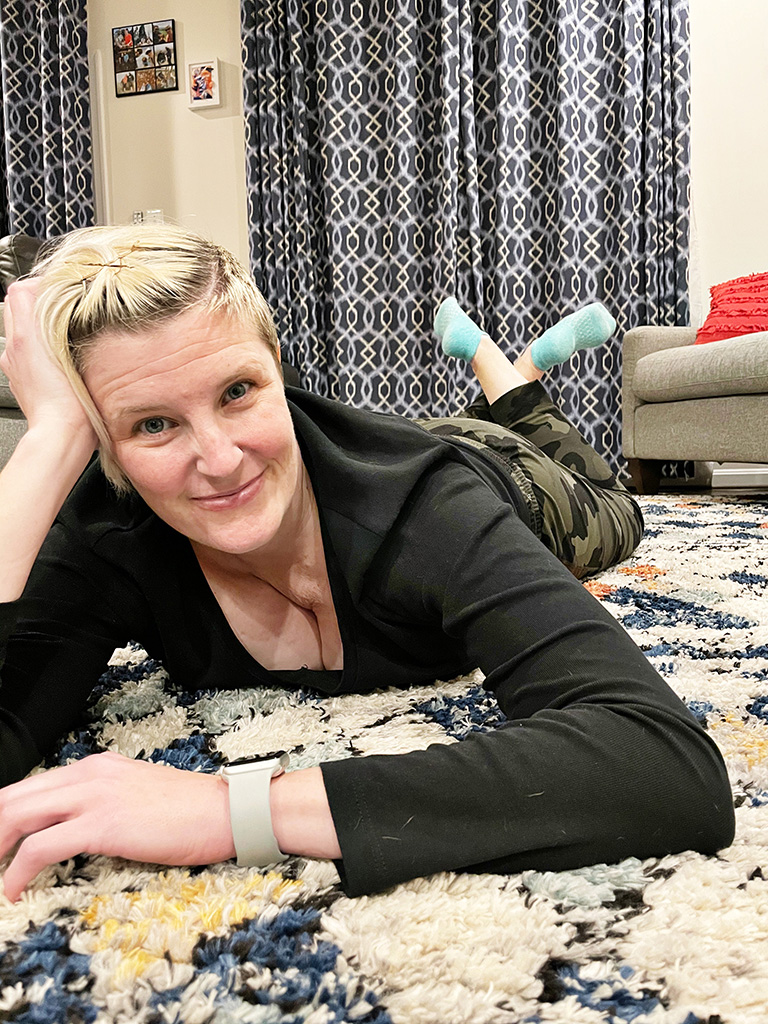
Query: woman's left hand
{"points": [[112, 805]]}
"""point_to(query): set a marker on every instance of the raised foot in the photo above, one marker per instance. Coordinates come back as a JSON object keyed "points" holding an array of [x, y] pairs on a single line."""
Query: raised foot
{"points": [[459, 335], [586, 328]]}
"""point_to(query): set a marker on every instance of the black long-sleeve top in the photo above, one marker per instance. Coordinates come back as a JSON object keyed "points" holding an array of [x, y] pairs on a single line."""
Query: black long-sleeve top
{"points": [[434, 571]]}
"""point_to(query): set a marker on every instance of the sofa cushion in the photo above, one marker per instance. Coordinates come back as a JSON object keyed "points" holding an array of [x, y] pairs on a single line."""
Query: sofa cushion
{"points": [[727, 429], [738, 307], [736, 366]]}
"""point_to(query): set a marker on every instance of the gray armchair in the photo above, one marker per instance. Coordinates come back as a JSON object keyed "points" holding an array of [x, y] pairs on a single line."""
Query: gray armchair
{"points": [[680, 401]]}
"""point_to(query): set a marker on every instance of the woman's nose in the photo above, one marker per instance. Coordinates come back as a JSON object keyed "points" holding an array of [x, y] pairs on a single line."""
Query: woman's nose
{"points": [[217, 454]]}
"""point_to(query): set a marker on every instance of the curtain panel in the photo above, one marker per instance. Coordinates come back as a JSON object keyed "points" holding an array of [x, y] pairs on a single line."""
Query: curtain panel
{"points": [[527, 156], [46, 115]]}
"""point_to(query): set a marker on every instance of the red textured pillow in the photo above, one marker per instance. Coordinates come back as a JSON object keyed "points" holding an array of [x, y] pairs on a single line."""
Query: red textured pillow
{"points": [[738, 307]]}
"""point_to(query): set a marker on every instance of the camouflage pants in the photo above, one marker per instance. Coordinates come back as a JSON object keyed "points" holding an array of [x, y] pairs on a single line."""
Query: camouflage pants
{"points": [[578, 508]]}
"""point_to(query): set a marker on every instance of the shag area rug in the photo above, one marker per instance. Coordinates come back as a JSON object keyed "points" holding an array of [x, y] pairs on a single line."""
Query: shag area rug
{"points": [[679, 940]]}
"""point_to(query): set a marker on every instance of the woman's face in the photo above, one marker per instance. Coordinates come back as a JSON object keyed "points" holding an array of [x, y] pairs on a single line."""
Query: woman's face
{"points": [[199, 424]]}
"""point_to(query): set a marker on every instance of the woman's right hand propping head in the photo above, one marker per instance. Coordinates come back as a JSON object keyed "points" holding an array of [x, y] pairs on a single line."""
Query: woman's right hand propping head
{"points": [[38, 383]]}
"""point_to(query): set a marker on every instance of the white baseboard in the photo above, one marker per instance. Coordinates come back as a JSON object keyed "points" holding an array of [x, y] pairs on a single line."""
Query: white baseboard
{"points": [[740, 474]]}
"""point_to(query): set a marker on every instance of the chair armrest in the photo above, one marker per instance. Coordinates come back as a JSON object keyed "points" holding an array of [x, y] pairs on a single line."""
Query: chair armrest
{"points": [[639, 342]]}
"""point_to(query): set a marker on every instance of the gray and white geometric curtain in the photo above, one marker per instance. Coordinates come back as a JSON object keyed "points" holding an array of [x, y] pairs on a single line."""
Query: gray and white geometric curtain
{"points": [[527, 156], [46, 114]]}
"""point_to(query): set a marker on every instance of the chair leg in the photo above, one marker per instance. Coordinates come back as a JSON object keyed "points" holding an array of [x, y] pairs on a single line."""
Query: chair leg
{"points": [[646, 474]]}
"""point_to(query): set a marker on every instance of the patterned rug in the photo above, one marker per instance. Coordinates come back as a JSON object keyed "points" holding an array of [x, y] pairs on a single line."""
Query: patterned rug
{"points": [[679, 940]]}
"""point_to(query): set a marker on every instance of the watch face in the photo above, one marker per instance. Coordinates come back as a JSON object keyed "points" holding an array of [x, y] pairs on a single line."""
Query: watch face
{"points": [[275, 755]]}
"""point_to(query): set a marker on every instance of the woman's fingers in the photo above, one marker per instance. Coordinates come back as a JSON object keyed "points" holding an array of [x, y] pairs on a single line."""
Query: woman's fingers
{"points": [[39, 851], [7, 319], [42, 801], [113, 805], [19, 310], [35, 815], [41, 782], [38, 382], [16, 798]]}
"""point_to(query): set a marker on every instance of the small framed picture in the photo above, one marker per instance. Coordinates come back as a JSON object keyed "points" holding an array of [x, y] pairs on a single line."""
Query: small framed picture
{"points": [[145, 58], [203, 83]]}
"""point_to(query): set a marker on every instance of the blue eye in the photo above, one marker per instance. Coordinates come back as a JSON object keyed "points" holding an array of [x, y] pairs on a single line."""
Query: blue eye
{"points": [[238, 390], [154, 425]]}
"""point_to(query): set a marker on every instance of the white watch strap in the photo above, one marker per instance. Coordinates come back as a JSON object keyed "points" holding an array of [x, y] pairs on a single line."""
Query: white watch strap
{"points": [[251, 818]]}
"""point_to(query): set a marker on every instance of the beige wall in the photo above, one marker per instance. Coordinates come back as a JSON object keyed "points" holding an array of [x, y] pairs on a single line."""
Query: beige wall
{"points": [[729, 142], [152, 151]]}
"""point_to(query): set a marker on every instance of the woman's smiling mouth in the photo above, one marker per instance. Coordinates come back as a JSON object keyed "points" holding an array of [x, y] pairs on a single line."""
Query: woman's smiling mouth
{"points": [[231, 499]]}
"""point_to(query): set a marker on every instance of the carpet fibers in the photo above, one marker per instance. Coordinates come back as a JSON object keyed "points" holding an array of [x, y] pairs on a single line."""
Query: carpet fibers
{"points": [[681, 940]]}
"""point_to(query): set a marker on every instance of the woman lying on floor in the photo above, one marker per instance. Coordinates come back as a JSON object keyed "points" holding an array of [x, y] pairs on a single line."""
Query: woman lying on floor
{"points": [[248, 537]]}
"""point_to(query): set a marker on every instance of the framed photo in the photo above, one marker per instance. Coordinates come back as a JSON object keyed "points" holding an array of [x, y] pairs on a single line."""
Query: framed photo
{"points": [[145, 58], [204, 84]]}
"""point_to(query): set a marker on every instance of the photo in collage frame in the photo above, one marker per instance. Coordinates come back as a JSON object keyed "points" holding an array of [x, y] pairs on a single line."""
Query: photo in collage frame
{"points": [[145, 58]]}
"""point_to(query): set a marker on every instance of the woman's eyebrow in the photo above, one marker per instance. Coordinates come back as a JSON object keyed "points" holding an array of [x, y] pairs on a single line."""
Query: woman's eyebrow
{"points": [[247, 369], [136, 410]]}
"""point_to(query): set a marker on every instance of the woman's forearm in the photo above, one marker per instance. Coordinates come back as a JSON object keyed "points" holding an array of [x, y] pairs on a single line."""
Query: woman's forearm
{"points": [[53, 453], [301, 816], [33, 486]]}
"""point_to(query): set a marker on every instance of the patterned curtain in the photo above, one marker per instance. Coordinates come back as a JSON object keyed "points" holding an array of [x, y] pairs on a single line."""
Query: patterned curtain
{"points": [[528, 156], [46, 114], [4, 218]]}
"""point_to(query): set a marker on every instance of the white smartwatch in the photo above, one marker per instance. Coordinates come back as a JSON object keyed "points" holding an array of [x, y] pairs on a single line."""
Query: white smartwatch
{"points": [[250, 814]]}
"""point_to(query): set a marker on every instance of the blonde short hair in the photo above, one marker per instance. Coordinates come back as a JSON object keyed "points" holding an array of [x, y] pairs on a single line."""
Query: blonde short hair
{"points": [[128, 279]]}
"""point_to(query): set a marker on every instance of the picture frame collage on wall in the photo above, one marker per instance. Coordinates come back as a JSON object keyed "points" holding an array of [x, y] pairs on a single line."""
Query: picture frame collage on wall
{"points": [[145, 58]]}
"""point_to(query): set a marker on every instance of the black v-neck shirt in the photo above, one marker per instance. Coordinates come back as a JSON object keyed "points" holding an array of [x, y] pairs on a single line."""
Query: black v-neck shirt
{"points": [[434, 571]]}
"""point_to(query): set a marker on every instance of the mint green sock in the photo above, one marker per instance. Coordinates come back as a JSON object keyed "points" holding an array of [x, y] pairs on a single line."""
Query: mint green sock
{"points": [[459, 335], [586, 328]]}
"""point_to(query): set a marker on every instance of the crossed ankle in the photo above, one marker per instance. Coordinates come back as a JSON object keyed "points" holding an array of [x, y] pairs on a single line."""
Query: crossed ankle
{"points": [[586, 328]]}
